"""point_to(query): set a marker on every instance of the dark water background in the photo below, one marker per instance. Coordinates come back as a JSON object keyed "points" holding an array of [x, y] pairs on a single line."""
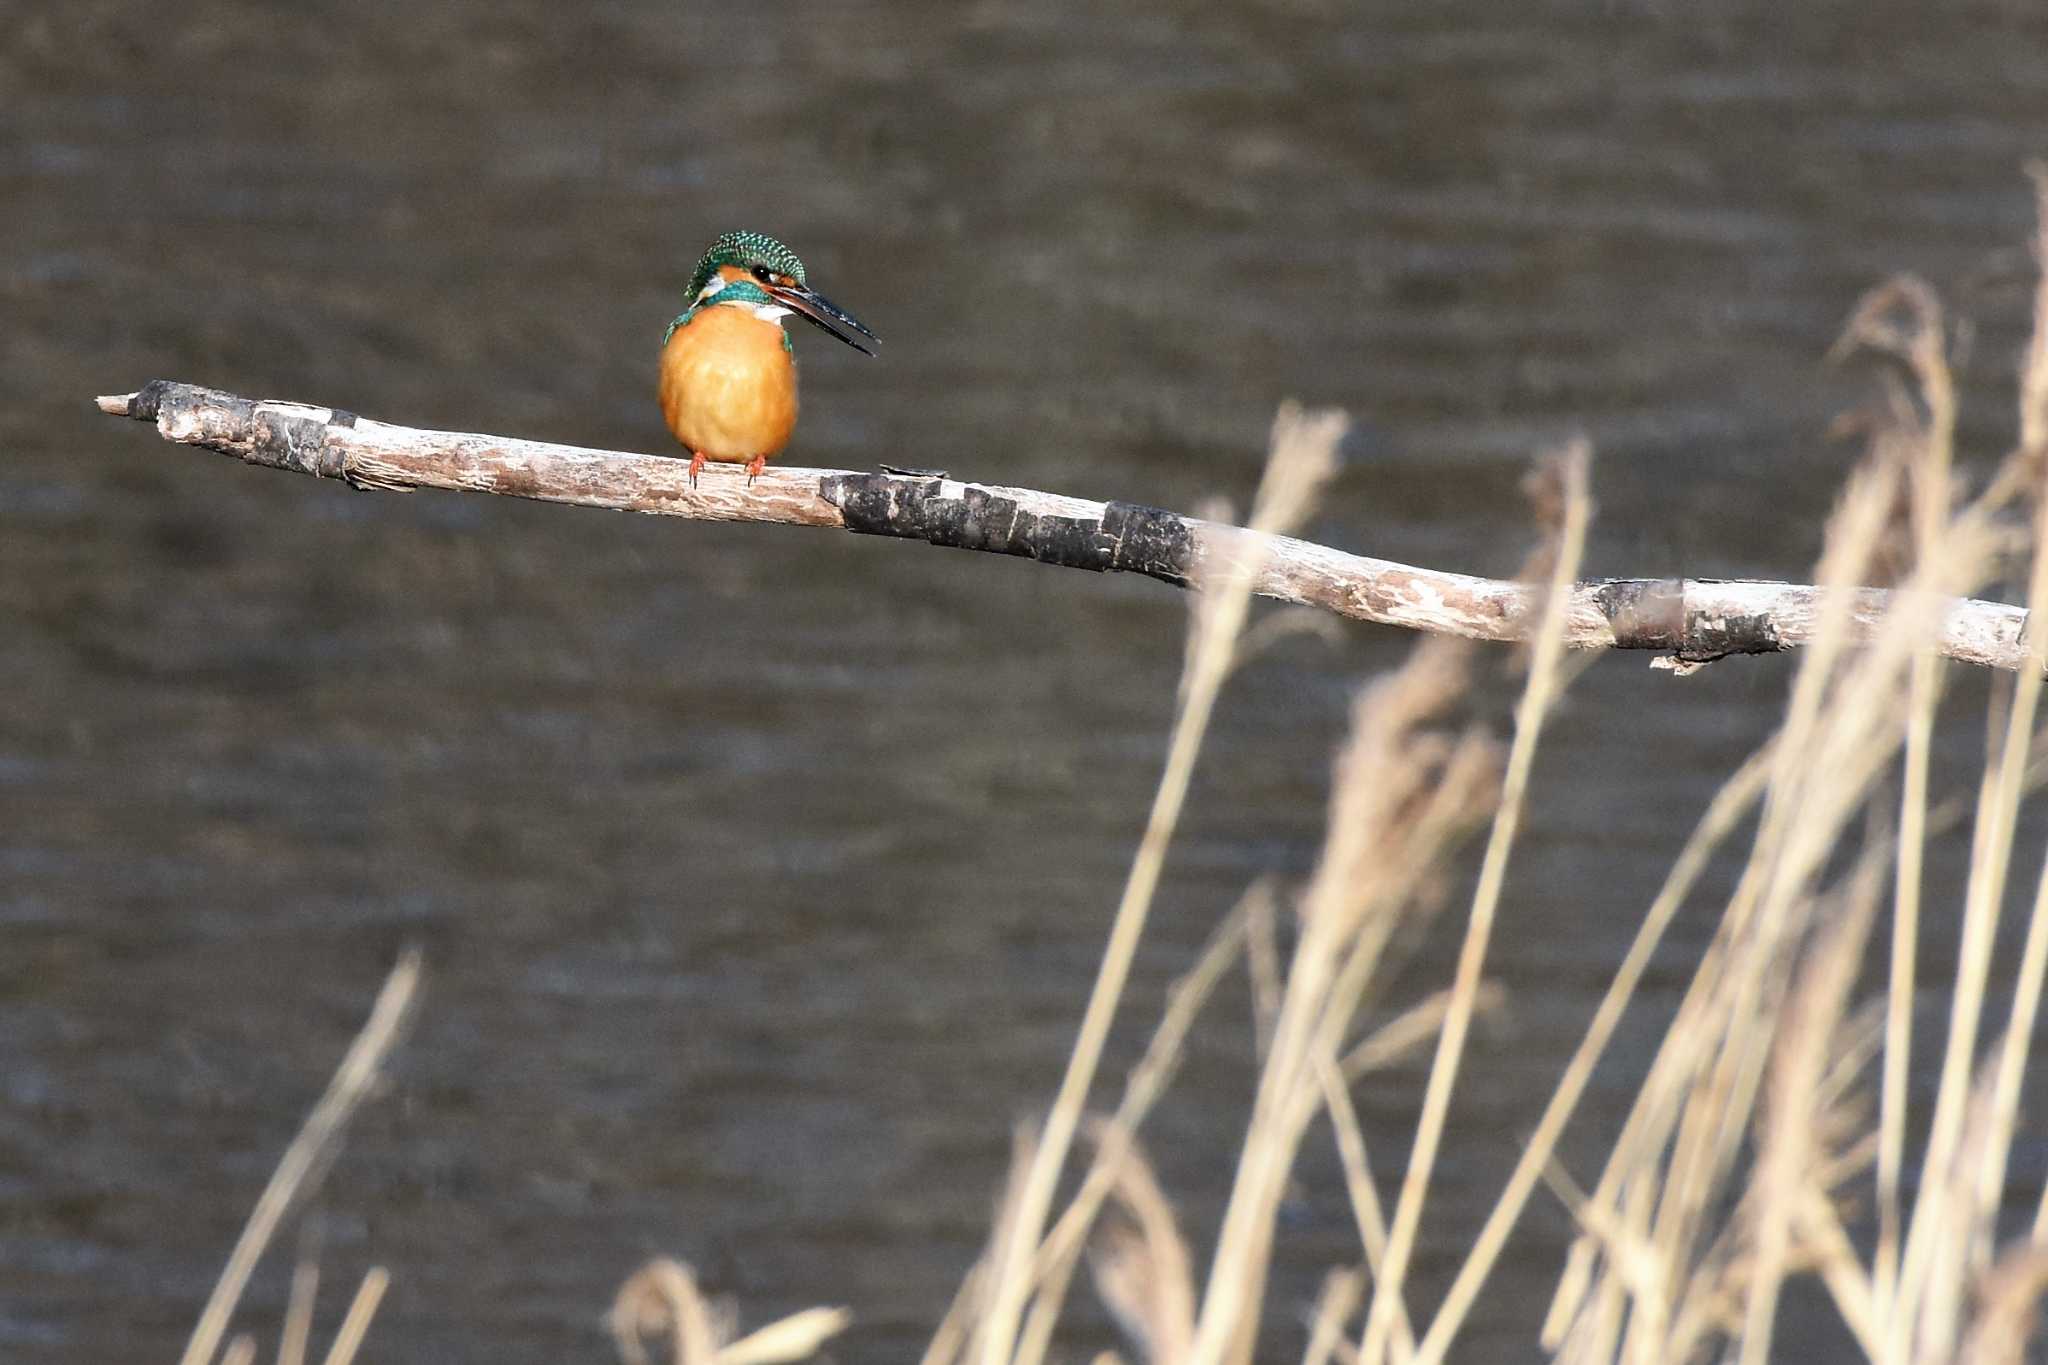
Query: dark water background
{"points": [[761, 873]]}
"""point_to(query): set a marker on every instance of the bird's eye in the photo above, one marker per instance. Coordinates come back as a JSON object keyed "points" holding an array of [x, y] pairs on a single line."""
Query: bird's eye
{"points": [[763, 273]]}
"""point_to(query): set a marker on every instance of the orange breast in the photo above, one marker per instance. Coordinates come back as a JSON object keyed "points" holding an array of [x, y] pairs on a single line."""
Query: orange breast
{"points": [[728, 385]]}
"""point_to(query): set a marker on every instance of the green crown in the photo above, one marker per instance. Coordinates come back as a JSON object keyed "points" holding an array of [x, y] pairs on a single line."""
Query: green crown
{"points": [[745, 249]]}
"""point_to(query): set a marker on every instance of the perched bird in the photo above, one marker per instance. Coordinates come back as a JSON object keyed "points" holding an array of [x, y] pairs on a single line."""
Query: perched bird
{"points": [[728, 372]]}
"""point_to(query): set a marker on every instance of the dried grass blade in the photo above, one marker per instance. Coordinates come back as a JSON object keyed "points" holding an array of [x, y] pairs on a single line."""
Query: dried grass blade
{"points": [[1546, 656], [304, 1162]]}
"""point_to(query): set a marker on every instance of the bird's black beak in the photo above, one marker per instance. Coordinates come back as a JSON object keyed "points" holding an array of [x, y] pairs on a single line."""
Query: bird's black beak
{"points": [[825, 313]]}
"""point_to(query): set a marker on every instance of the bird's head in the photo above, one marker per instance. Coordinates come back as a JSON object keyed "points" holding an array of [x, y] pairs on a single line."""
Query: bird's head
{"points": [[753, 270]]}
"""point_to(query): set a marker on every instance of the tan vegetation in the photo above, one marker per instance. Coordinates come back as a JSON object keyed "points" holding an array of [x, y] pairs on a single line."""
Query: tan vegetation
{"points": [[1760, 1126]]}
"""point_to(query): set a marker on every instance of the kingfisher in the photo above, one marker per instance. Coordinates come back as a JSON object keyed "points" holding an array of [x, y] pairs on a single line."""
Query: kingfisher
{"points": [[728, 372]]}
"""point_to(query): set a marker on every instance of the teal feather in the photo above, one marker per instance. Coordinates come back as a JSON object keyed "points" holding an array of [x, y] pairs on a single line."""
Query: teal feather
{"points": [[742, 292]]}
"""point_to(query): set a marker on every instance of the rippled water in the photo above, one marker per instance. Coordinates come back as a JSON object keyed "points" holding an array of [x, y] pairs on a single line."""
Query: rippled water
{"points": [[761, 874]]}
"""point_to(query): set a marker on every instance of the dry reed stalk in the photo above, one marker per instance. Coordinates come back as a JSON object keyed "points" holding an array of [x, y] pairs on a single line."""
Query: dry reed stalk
{"points": [[1791, 1139], [979, 1288], [2012, 1058], [950, 1338], [1402, 795], [1998, 811], [2011, 1293], [2033, 452], [2034, 369], [1937, 1310], [1700, 1086], [305, 1162], [298, 1315], [1998, 814], [1734, 800], [1302, 458], [1904, 965], [2019, 1032], [662, 1298], [1406, 1031], [1364, 1195], [1593, 1326], [1142, 1268], [1148, 1079], [1930, 447], [1844, 749], [2034, 435], [796, 1337], [1115, 1137], [1654, 1246], [356, 1324], [1821, 1230], [1409, 1030], [1342, 1291], [1544, 681]]}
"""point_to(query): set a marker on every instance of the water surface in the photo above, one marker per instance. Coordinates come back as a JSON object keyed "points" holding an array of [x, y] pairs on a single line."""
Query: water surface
{"points": [[761, 874]]}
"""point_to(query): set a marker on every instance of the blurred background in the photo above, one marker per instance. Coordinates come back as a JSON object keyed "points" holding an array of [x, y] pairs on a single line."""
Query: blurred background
{"points": [[761, 874]]}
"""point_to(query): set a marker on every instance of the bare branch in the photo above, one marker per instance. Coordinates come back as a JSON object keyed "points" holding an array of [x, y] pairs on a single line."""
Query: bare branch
{"points": [[1694, 620]]}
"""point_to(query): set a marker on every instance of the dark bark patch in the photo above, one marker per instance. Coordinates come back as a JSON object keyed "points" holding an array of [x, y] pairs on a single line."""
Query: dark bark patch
{"points": [[1127, 537]]}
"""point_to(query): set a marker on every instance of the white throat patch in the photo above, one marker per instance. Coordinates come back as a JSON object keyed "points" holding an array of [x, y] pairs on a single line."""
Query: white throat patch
{"points": [[767, 312]]}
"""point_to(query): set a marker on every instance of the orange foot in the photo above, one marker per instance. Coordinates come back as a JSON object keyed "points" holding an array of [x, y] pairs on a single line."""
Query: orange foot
{"points": [[696, 466], [754, 468]]}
